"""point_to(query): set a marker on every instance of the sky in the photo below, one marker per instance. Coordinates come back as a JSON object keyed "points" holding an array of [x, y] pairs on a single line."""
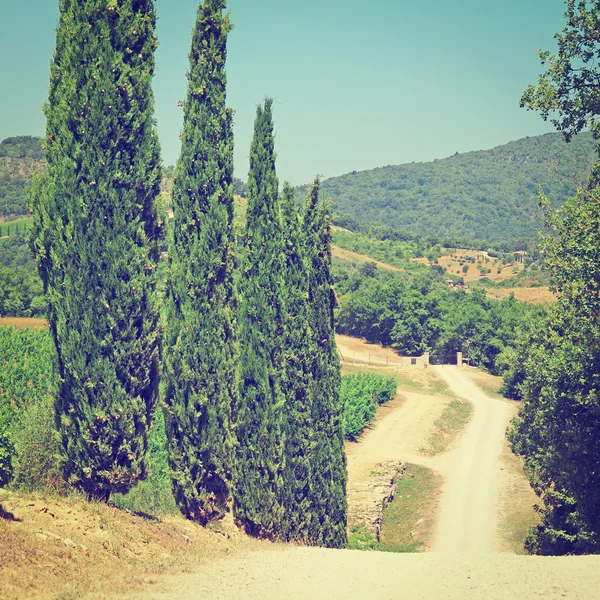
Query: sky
{"points": [[356, 84]]}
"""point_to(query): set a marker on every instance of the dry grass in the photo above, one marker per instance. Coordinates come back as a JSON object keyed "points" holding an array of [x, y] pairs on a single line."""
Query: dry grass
{"points": [[69, 548], [23, 322], [490, 384], [344, 254], [448, 427], [533, 295]]}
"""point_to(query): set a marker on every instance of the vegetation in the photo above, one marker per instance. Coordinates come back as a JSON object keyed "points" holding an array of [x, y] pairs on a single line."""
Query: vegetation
{"points": [[21, 293], [557, 376], [361, 393], [97, 240], [407, 524], [475, 198], [28, 385], [418, 312], [258, 414], [199, 349], [557, 365], [449, 425], [21, 158], [328, 486], [299, 348], [568, 90]]}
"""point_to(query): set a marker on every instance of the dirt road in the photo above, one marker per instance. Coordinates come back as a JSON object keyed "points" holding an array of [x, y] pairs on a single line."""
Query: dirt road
{"points": [[468, 516], [316, 574]]}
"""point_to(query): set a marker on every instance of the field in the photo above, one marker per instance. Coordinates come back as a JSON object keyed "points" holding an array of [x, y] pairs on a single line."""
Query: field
{"points": [[349, 255], [533, 295], [477, 264], [23, 322], [19, 226]]}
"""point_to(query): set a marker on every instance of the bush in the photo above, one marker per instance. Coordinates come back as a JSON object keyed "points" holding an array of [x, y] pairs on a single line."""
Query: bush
{"points": [[154, 495], [6, 454], [361, 393], [28, 384]]}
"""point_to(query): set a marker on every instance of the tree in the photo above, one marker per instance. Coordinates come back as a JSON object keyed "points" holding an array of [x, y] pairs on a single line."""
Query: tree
{"points": [[199, 357], [570, 88], [258, 413], [558, 429], [298, 340], [328, 483], [97, 239]]}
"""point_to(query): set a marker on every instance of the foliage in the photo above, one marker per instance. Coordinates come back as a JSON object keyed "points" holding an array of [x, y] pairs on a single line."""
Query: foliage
{"points": [[258, 412], [7, 451], [485, 195], [558, 429], [154, 496], [361, 393], [299, 350], [20, 159], [418, 312], [97, 238], [21, 293], [199, 344], [28, 385], [569, 89], [328, 486]]}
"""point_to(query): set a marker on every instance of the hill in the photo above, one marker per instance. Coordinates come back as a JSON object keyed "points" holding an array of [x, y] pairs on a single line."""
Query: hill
{"points": [[20, 159], [485, 195]]}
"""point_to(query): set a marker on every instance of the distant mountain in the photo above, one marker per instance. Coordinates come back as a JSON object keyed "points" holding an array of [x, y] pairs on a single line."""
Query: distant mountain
{"points": [[487, 195], [20, 159]]}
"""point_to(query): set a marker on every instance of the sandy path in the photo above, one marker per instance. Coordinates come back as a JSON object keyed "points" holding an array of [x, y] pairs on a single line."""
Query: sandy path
{"points": [[315, 573], [397, 436], [468, 516]]}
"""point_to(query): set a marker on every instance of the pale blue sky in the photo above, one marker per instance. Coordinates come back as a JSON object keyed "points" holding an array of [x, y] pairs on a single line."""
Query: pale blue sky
{"points": [[356, 84]]}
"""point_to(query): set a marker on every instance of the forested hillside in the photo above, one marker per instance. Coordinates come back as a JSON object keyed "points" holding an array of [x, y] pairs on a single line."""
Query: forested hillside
{"points": [[20, 158], [485, 195]]}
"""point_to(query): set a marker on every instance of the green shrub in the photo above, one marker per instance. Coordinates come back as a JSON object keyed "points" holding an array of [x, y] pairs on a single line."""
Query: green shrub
{"points": [[37, 450], [28, 383], [153, 496], [361, 393], [6, 454]]}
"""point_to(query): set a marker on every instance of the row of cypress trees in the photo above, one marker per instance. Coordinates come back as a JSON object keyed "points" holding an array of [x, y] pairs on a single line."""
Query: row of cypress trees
{"points": [[250, 369]]}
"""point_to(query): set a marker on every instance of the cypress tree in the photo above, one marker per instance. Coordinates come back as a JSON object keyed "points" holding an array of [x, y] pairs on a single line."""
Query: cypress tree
{"points": [[298, 342], [199, 355], [328, 462], [258, 415], [97, 238]]}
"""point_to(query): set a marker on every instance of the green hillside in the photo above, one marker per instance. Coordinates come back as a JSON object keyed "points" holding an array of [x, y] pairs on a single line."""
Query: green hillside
{"points": [[20, 159], [485, 195]]}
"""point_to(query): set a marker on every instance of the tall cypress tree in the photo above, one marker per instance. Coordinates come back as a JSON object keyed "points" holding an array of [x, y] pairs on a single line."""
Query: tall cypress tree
{"points": [[199, 355], [298, 343], [97, 238], [328, 482], [258, 415]]}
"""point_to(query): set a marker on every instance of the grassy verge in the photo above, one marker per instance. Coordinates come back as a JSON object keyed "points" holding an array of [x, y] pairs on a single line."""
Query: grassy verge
{"points": [[448, 426], [407, 524], [490, 384]]}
